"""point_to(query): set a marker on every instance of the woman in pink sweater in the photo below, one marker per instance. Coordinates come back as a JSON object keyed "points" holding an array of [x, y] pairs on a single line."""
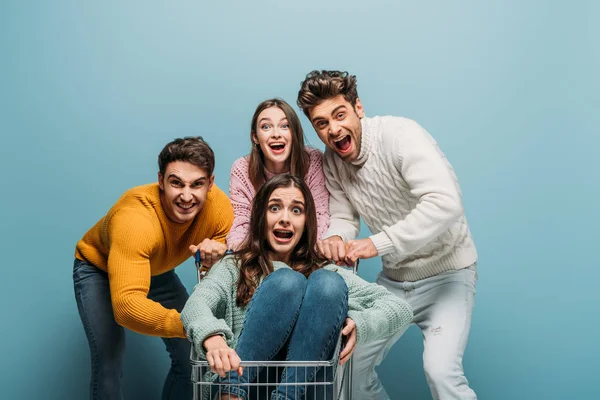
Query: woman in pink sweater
{"points": [[277, 147]]}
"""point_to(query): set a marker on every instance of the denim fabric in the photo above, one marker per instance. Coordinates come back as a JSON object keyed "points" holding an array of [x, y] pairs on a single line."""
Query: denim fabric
{"points": [[442, 306], [301, 316], [107, 339]]}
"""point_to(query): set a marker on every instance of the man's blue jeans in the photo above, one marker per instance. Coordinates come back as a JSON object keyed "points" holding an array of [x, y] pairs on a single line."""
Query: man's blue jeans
{"points": [[303, 315], [107, 339]]}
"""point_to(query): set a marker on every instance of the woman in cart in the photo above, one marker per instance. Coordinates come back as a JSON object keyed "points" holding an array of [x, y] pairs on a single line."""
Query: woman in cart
{"points": [[277, 297]]}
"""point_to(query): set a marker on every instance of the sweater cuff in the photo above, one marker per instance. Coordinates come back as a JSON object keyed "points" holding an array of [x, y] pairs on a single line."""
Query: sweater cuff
{"points": [[174, 325], [382, 243], [360, 323], [200, 332]]}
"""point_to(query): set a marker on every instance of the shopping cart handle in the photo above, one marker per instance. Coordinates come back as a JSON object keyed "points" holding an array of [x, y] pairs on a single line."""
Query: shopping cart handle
{"points": [[202, 270]]}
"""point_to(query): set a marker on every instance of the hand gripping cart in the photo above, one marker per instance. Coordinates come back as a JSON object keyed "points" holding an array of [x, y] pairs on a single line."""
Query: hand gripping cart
{"points": [[332, 381]]}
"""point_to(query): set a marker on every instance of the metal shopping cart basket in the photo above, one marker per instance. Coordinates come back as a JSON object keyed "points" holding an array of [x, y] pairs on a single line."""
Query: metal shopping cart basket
{"points": [[331, 381]]}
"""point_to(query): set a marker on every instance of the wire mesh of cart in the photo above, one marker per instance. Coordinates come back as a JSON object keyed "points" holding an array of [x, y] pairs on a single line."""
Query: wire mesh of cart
{"points": [[330, 381]]}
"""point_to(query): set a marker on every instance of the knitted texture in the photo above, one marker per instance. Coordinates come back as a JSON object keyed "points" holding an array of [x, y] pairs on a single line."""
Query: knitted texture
{"points": [[211, 308], [135, 240], [242, 193], [408, 195]]}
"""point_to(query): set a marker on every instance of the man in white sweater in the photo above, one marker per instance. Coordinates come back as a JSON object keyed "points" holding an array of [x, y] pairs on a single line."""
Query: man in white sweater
{"points": [[391, 172]]}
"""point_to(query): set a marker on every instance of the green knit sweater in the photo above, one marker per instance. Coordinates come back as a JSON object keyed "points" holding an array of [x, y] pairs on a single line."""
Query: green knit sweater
{"points": [[211, 308]]}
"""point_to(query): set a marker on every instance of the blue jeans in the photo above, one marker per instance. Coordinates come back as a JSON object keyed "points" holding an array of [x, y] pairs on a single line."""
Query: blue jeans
{"points": [[442, 306], [303, 315], [107, 339]]}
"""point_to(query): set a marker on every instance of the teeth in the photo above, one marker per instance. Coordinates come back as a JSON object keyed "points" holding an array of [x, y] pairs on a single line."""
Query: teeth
{"points": [[340, 139], [186, 206]]}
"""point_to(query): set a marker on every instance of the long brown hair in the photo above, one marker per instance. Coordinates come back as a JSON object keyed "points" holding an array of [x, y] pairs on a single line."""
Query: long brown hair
{"points": [[253, 257], [298, 160]]}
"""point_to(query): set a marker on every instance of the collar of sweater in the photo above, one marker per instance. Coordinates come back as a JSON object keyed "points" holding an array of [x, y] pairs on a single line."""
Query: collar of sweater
{"points": [[366, 140]]}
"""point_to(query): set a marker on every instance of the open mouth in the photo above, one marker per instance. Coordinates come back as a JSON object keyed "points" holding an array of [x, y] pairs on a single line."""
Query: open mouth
{"points": [[283, 235], [277, 147], [344, 144]]}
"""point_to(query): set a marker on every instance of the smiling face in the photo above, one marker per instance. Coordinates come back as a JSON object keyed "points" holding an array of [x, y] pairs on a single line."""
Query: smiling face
{"points": [[183, 190], [337, 124], [274, 136], [285, 221]]}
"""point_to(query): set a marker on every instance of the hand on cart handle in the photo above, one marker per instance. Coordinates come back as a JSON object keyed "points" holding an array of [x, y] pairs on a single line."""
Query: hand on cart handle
{"points": [[220, 357], [346, 254], [349, 333], [208, 247], [360, 248], [210, 251]]}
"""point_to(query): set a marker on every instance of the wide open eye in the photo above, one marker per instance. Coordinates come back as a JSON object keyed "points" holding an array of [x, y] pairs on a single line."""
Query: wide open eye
{"points": [[297, 210]]}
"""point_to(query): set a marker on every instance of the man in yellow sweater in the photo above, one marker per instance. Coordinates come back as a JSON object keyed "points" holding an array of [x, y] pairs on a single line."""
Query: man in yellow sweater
{"points": [[124, 265]]}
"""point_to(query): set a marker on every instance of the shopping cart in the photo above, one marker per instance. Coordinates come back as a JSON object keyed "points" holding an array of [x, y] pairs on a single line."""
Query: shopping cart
{"points": [[331, 381]]}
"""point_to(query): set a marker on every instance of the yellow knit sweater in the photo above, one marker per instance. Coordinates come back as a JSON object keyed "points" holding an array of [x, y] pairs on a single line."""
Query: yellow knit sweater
{"points": [[135, 240]]}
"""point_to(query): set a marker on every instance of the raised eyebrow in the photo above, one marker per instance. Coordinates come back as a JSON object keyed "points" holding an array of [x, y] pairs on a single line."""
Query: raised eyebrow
{"points": [[298, 202], [267, 119], [335, 110]]}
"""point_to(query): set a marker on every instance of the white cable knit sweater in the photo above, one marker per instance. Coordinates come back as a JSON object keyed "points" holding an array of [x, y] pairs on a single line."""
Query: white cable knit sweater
{"points": [[407, 193]]}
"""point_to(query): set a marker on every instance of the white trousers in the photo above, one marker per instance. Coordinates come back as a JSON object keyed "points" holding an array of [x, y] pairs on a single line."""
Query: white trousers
{"points": [[442, 306]]}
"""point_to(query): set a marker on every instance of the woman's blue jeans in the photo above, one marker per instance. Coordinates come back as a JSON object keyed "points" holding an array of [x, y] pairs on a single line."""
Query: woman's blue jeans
{"points": [[304, 315], [107, 339]]}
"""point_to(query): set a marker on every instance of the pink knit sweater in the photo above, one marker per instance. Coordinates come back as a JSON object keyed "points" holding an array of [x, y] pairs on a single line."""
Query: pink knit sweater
{"points": [[241, 193]]}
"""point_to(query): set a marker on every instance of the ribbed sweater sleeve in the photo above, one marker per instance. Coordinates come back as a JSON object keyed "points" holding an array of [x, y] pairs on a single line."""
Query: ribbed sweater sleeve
{"points": [[241, 193], [430, 179], [132, 240], [378, 314], [211, 297], [345, 220], [315, 179]]}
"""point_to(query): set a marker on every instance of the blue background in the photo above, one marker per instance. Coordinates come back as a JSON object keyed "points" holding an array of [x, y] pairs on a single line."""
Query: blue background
{"points": [[90, 93]]}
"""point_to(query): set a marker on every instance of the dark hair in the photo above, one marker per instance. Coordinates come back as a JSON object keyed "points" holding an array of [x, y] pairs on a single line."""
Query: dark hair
{"points": [[252, 257], [298, 160], [322, 85], [190, 149]]}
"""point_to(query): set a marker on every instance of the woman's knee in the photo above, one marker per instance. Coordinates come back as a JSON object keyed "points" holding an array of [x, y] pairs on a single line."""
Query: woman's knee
{"points": [[285, 281], [328, 285]]}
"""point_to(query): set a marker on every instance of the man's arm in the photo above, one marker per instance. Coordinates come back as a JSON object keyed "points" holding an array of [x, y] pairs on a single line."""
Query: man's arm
{"points": [[344, 221], [431, 180], [218, 221], [132, 241]]}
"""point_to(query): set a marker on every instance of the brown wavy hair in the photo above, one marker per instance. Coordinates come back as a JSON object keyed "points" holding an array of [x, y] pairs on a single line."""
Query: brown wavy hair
{"points": [[322, 85], [253, 257], [192, 149], [298, 160]]}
